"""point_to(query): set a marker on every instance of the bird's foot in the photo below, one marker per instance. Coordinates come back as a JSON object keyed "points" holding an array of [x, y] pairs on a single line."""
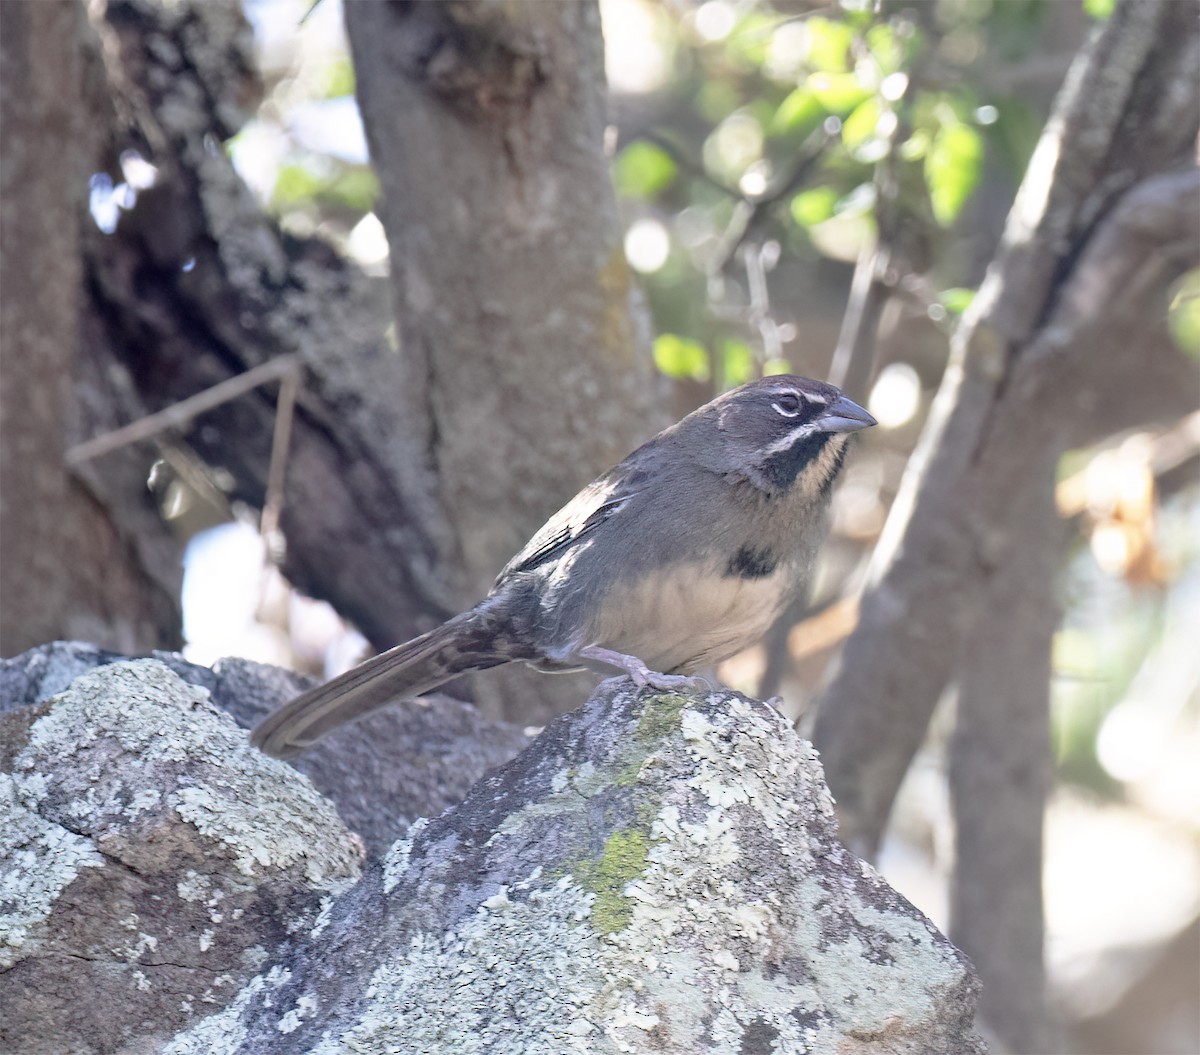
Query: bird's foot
{"points": [[642, 675], [668, 682]]}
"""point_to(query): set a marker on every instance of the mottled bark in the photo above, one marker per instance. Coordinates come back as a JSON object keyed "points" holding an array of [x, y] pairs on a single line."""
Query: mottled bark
{"points": [[1071, 311], [196, 285], [67, 570], [524, 372]]}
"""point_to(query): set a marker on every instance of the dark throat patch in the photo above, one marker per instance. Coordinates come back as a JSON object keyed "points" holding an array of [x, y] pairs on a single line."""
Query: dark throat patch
{"points": [[751, 563], [782, 468]]}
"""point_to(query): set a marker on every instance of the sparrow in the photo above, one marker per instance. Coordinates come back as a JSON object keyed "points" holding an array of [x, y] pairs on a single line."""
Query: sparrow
{"points": [[672, 561]]}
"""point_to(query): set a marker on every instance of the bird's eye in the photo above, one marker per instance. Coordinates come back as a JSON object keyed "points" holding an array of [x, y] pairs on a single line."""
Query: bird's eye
{"points": [[788, 404]]}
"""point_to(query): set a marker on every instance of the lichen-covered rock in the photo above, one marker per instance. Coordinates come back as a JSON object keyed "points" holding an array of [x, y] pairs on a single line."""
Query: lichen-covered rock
{"points": [[149, 858], [411, 760], [654, 874]]}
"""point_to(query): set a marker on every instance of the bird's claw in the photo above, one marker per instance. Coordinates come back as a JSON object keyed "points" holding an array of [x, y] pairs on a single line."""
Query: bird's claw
{"points": [[641, 675], [670, 682]]}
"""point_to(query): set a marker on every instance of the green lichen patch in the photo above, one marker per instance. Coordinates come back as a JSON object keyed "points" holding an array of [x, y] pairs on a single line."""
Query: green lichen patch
{"points": [[660, 717], [629, 774], [623, 860]]}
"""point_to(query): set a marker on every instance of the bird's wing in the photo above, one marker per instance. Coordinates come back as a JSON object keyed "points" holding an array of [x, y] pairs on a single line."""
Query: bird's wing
{"points": [[595, 504]]}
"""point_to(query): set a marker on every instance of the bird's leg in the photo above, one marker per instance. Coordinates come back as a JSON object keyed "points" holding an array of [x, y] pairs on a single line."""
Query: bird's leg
{"points": [[639, 672]]}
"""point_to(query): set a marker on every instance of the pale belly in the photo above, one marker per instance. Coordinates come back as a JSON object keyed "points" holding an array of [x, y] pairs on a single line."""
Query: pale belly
{"points": [[685, 620]]}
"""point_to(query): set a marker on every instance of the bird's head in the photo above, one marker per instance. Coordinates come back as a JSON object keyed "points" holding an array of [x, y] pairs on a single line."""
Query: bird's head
{"points": [[784, 432]]}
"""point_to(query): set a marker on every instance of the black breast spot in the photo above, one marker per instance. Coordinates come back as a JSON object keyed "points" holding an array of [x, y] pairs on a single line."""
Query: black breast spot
{"points": [[750, 563]]}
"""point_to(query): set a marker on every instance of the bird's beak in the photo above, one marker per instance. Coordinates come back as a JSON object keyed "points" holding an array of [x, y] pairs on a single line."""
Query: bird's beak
{"points": [[844, 415]]}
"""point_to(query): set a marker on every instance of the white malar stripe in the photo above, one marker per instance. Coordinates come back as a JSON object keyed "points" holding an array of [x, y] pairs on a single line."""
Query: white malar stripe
{"points": [[786, 442]]}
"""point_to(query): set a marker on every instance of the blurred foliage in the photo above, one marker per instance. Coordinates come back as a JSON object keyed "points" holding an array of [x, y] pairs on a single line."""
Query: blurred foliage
{"points": [[310, 183], [740, 124], [811, 117], [304, 153], [677, 356], [1093, 671], [1099, 9]]}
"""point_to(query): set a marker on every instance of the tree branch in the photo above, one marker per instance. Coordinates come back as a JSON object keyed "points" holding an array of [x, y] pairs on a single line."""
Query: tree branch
{"points": [[182, 413], [1080, 280]]}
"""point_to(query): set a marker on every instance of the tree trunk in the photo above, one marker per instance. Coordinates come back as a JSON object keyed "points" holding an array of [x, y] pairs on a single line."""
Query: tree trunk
{"points": [[1000, 774], [196, 286], [68, 569], [524, 372]]}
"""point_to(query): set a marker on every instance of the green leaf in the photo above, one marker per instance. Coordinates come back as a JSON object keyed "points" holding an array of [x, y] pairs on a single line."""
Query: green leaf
{"points": [[1099, 9], [738, 363], [679, 356], [885, 48], [858, 12], [1183, 316], [642, 170], [859, 202], [813, 206], [844, 235], [294, 184], [952, 169], [915, 146], [338, 79], [861, 124], [800, 112], [750, 39], [839, 93], [828, 44], [957, 299]]}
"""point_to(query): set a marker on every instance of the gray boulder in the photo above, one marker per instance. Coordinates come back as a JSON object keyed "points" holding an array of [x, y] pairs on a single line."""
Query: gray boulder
{"points": [[411, 760], [653, 873]]}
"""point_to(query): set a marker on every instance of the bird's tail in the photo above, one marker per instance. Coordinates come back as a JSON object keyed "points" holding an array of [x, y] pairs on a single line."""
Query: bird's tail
{"points": [[464, 644]]}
